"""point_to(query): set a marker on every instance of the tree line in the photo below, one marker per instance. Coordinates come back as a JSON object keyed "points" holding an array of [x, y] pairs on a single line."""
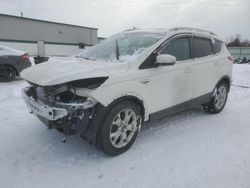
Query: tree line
{"points": [[236, 41]]}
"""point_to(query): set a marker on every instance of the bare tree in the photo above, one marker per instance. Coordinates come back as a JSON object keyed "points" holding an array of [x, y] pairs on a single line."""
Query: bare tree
{"points": [[236, 41]]}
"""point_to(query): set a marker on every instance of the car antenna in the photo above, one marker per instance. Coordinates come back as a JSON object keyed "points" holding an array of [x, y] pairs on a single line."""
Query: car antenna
{"points": [[117, 50]]}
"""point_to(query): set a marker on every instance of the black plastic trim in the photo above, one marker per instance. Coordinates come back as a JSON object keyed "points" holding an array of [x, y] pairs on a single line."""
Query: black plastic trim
{"points": [[181, 107], [225, 77]]}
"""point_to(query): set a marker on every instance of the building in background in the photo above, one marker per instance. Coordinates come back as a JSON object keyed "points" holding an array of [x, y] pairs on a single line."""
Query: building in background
{"points": [[45, 38]]}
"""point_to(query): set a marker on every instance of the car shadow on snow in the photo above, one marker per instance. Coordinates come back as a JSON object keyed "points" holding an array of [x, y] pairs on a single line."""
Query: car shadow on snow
{"points": [[75, 147], [78, 149]]}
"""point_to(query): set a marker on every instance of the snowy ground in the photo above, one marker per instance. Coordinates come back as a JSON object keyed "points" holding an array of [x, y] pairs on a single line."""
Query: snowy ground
{"points": [[191, 149]]}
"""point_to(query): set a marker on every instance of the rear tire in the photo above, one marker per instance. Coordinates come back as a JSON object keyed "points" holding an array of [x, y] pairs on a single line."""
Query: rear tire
{"points": [[120, 128], [7, 73], [218, 101]]}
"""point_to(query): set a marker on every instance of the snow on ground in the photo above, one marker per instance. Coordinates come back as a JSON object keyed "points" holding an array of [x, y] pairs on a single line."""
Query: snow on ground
{"points": [[190, 149], [242, 76]]}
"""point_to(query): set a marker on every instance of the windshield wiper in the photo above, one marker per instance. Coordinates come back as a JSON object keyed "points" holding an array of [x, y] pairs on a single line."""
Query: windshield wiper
{"points": [[87, 58], [117, 50]]}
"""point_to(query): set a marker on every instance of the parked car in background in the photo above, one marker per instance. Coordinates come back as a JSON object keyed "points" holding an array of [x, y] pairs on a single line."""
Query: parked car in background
{"points": [[237, 61], [127, 79], [12, 62], [243, 60]]}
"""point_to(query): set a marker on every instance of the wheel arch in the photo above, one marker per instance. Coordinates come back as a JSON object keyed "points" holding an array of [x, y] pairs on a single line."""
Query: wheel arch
{"points": [[134, 99], [104, 110], [11, 67], [225, 79]]}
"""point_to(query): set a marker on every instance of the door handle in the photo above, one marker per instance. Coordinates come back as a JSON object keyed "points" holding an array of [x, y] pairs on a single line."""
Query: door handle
{"points": [[188, 70], [144, 81]]}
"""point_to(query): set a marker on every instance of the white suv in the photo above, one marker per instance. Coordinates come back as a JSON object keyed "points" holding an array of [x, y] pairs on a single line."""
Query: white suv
{"points": [[127, 79]]}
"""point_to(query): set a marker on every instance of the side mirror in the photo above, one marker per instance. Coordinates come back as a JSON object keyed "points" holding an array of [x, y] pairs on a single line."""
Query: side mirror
{"points": [[165, 59]]}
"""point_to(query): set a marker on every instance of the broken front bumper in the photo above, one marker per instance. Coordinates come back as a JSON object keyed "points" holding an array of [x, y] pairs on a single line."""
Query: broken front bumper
{"points": [[43, 110], [64, 116]]}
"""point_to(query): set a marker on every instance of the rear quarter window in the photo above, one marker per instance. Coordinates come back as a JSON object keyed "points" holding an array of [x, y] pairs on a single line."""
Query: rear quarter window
{"points": [[202, 47], [217, 45]]}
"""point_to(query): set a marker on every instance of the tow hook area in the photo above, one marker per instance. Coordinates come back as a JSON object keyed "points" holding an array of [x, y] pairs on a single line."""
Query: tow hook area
{"points": [[61, 108], [64, 139], [71, 125]]}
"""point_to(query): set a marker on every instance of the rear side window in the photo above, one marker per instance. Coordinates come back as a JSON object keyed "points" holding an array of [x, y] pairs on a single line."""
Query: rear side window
{"points": [[202, 47], [217, 45], [179, 48]]}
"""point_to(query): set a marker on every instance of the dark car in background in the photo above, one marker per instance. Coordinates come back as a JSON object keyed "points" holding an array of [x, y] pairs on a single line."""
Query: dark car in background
{"points": [[12, 62]]}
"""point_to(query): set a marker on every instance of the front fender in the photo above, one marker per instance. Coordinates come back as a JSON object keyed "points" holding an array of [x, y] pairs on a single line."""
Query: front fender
{"points": [[108, 94]]}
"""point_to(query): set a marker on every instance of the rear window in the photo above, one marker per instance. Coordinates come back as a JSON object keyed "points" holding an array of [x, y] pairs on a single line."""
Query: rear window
{"points": [[217, 45], [202, 47]]}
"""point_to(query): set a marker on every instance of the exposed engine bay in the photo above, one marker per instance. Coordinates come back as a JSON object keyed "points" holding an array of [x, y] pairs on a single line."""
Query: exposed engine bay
{"points": [[66, 107], [61, 96]]}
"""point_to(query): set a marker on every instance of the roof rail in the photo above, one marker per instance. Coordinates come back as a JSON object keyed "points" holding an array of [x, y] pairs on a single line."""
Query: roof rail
{"points": [[191, 29], [131, 29]]}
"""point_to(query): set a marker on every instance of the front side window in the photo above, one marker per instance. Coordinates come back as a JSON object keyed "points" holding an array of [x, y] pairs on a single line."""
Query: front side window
{"points": [[202, 47], [178, 48]]}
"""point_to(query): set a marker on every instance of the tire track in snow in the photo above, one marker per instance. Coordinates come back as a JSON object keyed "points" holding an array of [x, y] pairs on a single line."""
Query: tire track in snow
{"points": [[241, 86]]}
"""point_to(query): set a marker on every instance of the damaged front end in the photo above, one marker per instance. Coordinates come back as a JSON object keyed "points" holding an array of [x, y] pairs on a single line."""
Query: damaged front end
{"points": [[66, 107]]}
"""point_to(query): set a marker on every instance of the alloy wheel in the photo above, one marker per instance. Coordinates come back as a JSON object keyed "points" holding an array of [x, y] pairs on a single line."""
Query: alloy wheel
{"points": [[123, 128], [220, 97]]}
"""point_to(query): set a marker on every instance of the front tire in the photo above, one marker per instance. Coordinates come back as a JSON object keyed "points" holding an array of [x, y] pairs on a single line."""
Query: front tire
{"points": [[120, 128], [7, 73], [218, 101]]}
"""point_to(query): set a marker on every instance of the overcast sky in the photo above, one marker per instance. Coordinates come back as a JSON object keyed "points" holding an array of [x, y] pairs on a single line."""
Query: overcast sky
{"points": [[225, 17]]}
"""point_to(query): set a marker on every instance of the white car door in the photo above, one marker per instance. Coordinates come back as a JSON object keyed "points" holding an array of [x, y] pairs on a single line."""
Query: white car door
{"points": [[206, 66], [172, 85]]}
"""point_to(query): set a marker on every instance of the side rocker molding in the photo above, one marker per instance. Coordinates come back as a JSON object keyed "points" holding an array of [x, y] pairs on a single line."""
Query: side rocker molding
{"points": [[181, 107]]}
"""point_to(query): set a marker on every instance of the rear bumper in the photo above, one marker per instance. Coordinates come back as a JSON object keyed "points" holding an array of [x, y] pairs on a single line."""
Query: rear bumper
{"points": [[43, 110], [21, 66]]}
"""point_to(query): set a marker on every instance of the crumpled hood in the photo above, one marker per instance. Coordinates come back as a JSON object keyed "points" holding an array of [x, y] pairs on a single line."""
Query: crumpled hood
{"points": [[54, 73]]}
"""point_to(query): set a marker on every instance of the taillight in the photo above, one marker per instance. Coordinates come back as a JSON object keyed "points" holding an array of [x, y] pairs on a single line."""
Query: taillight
{"points": [[230, 58], [25, 57]]}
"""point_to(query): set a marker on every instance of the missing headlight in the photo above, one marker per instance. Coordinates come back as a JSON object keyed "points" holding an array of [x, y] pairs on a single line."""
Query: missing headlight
{"points": [[89, 83]]}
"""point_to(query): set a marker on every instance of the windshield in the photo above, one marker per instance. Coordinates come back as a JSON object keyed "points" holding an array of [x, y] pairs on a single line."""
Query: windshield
{"points": [[122, 45]]}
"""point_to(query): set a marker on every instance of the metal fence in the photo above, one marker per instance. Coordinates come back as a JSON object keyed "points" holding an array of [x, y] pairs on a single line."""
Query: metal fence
{"points": [[240, 52]]}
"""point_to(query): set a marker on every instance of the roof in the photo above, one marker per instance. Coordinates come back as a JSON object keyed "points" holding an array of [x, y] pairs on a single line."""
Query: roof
{"points": [[192, 30], [45, 21], [151, 30], [166, 31]]}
